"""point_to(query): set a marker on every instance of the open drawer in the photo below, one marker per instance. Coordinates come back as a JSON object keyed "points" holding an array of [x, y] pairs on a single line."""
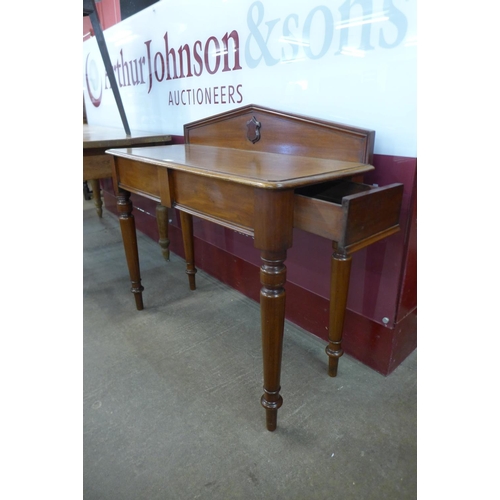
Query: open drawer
{"points": [[352, 214]]}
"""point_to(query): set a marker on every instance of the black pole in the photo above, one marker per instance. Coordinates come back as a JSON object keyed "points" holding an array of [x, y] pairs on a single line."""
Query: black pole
{"points": [[90, 10]]}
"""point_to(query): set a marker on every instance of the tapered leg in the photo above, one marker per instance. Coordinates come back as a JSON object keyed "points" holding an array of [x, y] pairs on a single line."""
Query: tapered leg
{"points": [[339, 287], [187, 238], [162, 222], [273, 235], [96, 194], [127, 226], [272, 307]]}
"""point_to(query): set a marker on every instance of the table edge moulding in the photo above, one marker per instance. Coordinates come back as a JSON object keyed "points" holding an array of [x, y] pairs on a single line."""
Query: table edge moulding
{"points": [[263, 172]]}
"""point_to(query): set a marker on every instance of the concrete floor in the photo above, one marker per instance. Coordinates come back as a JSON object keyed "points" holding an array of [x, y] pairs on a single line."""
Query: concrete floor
{"points": [[171, 405]]}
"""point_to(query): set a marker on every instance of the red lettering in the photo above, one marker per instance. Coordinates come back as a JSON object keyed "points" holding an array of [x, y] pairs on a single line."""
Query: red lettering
{"points": [[197, 57], [236, 41], [187, 51], [216, 53]]}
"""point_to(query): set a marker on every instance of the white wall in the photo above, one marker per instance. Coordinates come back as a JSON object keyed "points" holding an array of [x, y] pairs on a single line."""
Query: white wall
{"points": [[351, 61]]}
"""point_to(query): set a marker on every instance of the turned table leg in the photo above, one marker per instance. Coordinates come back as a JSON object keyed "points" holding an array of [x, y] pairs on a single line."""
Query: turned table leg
{"points": [[272, 307], [339, 287], [96, 194], [273, 235], [127, 226], [187, 238], [162, 222]]}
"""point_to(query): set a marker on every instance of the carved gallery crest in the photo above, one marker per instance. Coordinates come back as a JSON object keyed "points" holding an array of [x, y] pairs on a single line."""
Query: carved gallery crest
{"points": [[253, 130]]}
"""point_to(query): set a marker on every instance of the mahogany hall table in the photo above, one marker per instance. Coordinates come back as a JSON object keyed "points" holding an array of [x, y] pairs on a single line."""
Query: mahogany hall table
{"points": [[97, 165], [264, 195]]}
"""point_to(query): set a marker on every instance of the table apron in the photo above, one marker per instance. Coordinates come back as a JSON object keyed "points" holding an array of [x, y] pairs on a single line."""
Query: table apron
{"points": [[223, 202], [97, 166]]}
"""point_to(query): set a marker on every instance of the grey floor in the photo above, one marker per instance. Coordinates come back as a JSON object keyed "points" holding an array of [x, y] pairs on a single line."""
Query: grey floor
{"points": [[171, 395]]}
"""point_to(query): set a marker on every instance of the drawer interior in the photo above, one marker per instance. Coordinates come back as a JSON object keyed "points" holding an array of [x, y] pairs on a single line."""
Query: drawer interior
{"points": [[333, 192]]}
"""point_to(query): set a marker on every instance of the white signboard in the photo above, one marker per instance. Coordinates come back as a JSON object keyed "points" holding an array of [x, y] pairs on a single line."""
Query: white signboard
{"points": [[350, 61]]}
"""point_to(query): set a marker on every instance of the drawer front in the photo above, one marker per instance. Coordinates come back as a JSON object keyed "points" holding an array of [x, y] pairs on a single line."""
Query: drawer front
{"points": [[137, 177], [214, 198], [351, 214], [371, 214]]}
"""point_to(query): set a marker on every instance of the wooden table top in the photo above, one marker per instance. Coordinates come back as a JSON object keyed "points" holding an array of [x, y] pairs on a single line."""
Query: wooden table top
{"points": [[258, 169], [96, 136]]}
